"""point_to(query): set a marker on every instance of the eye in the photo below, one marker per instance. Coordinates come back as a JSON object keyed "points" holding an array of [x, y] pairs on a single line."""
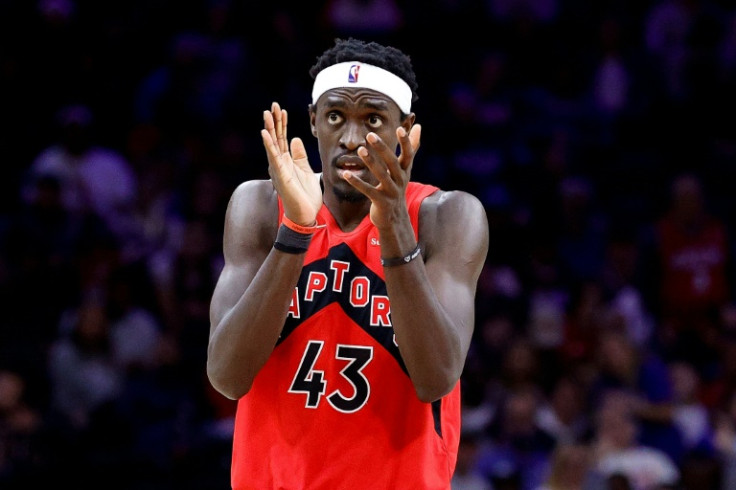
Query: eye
{"points": [[334, 118], [375, 121]]}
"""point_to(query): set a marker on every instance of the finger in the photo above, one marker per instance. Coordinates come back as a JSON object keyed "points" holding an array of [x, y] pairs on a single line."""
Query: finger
{"points": [[268, 143], [359, 184], [406, 154], [378, 169], [271, 124], [415, 135], [409, 145], [387, 157], [275, 107], [279, 127], [285, 117], [268, 123]]}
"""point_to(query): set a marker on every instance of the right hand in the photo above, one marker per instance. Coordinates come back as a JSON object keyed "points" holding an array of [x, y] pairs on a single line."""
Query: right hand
{"points": [[292, 176]]}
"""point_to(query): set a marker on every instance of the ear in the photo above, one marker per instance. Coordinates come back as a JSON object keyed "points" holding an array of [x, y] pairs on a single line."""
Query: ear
{"points": [[312, 120]]}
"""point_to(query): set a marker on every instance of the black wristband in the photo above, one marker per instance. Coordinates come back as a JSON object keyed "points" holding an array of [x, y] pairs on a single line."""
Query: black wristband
{"points": [[290, 241], [402, 260]]}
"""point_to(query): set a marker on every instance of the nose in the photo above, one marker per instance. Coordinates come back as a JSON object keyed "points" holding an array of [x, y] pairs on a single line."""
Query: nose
{"points": [[353, 135]]}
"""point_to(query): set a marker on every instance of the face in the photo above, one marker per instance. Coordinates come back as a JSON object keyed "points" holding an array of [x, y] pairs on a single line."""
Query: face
{"points": [[340, 120], [616, 355]]}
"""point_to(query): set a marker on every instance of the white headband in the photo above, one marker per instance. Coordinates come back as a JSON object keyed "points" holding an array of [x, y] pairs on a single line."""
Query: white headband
{"points": [[362, 75]]}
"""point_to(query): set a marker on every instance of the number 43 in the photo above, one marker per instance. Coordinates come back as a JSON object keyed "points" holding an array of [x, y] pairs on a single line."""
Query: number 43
{"points": [[310, 381]]}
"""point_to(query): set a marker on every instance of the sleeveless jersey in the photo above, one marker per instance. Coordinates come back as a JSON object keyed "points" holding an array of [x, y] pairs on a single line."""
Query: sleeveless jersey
{"points": [[333, 407], [694, 268]]}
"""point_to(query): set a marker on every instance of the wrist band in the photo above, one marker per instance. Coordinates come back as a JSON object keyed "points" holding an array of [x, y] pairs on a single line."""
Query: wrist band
{"points": [[291, 241], [299, 228], [402, 260]]}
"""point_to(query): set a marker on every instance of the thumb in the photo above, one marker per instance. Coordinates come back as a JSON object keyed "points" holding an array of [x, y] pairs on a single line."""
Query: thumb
{"points": [[298, 152]]}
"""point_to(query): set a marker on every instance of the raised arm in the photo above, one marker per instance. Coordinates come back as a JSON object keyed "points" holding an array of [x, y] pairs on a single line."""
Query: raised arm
{"points": [[433, 301], [253, 293]]}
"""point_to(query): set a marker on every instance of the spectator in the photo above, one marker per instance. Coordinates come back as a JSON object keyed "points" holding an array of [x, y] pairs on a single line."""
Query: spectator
{"points": [[725, 440], [570, 469], [666, 31], [45, 246], [582, 235], [612, 79], [467, 476], [617, 451], [85, 168], [158, 211], [520, 368], [699, 467], [690, 415], [563, 415], [24, 449], [584, 317], [82, 370], [377, 19], [639, 384], [621, 283], [517, 450], [692, 254], [547, 95], [136, 334]]}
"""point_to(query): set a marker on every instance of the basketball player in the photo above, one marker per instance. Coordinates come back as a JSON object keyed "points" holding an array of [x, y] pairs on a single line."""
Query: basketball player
{"points": [[344, 312]]}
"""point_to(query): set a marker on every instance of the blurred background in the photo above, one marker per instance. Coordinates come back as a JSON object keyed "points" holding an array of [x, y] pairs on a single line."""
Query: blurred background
{"points": [[599, 136]]}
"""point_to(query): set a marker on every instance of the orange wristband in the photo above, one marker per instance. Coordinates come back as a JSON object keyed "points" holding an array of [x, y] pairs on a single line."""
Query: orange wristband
{"points": [[299, 228]]}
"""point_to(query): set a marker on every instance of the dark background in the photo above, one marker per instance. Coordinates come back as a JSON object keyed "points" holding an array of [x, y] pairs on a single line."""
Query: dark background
{"points": [[569, 119]]}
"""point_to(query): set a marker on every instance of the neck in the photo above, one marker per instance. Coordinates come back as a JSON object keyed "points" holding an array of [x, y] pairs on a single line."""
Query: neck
{"points": [[348, 213]]}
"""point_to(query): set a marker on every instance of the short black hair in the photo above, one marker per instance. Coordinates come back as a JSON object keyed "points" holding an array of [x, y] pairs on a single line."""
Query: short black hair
{"points": [[373, 53]]}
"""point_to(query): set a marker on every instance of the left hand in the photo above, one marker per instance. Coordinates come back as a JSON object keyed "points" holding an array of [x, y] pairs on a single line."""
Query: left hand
{"points": [[393, 174]]}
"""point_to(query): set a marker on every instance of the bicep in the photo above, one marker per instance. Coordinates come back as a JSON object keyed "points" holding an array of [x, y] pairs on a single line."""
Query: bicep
{"points": [[246, 243], [459, 244]]}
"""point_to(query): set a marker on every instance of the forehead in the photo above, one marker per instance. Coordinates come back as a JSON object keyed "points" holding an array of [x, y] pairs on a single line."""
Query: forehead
{"points": [[348, 98]]}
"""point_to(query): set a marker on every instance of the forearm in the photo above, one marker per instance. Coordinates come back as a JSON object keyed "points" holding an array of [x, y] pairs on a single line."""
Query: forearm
{"points": [[428, 340], [430, 344], [243, 338]]}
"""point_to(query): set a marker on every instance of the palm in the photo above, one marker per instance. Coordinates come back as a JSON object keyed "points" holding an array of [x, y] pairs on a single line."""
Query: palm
{"points": [[292, 176]]}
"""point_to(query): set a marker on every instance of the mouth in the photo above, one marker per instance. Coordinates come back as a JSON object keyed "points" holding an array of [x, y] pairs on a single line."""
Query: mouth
{"points": [[352, 163]]}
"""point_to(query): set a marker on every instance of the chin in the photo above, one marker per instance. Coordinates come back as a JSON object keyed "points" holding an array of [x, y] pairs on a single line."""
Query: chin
{"points": [[348, 195]]}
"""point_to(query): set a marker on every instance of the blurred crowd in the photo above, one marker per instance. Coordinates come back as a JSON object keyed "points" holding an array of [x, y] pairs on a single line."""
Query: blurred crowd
{"points": [[599, 136]]}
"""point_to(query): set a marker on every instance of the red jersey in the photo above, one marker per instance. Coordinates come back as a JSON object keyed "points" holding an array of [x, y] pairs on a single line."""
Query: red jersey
{"points": [[694, 267], [333, 407]]}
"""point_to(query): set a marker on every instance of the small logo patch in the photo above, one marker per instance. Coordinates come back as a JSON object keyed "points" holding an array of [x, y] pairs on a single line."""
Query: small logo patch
{"points": [[353, 74]]}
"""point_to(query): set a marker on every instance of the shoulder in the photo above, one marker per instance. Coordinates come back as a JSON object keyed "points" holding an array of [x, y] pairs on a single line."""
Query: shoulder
{"points": [[253, 206], [254, 197], [453, 219], [453, 208], [262, 187]]}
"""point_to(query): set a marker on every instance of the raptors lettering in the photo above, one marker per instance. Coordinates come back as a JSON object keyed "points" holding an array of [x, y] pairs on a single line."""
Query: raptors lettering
{"points": [[358, 288]]}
